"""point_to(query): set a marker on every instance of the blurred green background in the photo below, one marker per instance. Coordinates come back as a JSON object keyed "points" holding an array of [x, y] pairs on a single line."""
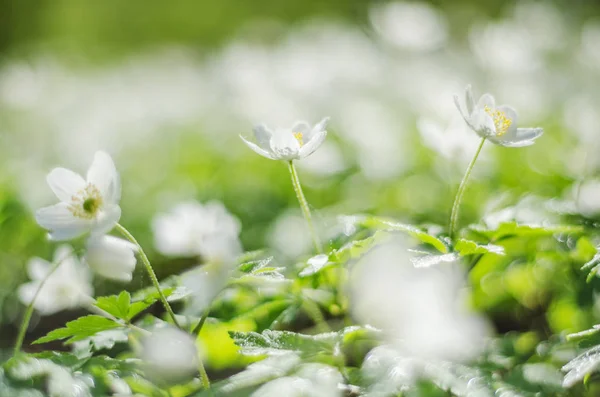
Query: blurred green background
{"points": [[167, 89]]}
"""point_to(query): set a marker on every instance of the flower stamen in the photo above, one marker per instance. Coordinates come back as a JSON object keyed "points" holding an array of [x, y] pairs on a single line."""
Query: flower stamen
{"points": [[501, 121], [86, 203], [299, 137]]}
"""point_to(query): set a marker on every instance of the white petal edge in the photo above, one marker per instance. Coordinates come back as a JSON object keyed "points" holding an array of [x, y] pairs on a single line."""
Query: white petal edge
{"points": [[486, 100], [258, 149], [106, 220], [61, 223], [311, 146], [65, 183], [469, 101], [262, 133], [103, 174]]}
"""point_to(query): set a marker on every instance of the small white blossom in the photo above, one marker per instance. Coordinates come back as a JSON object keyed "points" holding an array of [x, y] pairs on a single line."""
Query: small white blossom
{"points": [[193, 229], [311, 380], [170, 354], [86, 205], [288, 144], [420, 310], [67, 288], [111, 257], [498, 124]]}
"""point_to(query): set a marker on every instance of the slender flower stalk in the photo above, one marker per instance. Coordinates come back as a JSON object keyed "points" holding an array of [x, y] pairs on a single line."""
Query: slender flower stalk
{"points": [[149, 270], [196, 333], [461, 190], [304, 207], [30, 307]]}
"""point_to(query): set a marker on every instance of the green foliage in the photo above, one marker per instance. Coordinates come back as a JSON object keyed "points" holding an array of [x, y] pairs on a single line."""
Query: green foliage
{"points": [[83, 327]]}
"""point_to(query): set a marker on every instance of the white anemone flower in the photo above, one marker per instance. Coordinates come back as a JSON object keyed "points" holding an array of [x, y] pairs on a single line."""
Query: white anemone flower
{"points": [[67, 288], [498, 124], [170, 354], [86, 205], [111, 257], [193, 229], [288, 144]]}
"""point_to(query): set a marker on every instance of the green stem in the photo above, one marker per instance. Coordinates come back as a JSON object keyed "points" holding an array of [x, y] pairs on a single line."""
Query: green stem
{"points": [[203, 375], [150, 272], [198, 327], [29, 310], [304, 207], [313, 311], [461, 191], [201, 369]]}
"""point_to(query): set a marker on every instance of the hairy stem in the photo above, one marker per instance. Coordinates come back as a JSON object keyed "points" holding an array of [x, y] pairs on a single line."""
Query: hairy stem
{"points": [[461, 191], [304, 207], [150, 272]]}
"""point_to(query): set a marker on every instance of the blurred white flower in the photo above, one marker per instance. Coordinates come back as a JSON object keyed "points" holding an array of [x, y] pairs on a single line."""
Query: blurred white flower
{"points": [[496, 123], [416, 26], [287, 235], [327, 161], [288, 144], [419, 309], [170, 354], [506, 46], [67, 288], [204, 284], [90, 205], [60, 381], [193, 229], [311, 380], [452, 142], [587, 198], [111, 257]]}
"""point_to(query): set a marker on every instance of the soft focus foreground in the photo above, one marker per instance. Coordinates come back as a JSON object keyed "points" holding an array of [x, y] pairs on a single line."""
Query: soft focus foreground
{"points": [[331, 263]]}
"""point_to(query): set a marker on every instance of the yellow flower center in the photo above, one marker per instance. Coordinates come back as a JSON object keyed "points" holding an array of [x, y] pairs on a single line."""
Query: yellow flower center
{"points": [[501, 121], [86, 203], [299, 137]]}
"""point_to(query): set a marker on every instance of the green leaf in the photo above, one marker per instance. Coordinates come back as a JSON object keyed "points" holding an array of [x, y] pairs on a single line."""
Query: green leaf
{"points": [[278, 342], [79, 329], [315, 265], [581, 366], [513, 229], [117, 305], [357, 248], [257, 373], [467, 247], [418, 233]]}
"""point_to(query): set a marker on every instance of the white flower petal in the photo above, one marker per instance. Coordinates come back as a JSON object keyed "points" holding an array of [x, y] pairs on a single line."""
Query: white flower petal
{"points": [[27, 291], [284, 145], [62, 253], [529, 133], [111, 257], [106, 220], [465, 116], [313, 144], [65, 183], [522, 137], [61, 222], [38, 268], [103, 174], [263, 136], [303, 128], [258, 149], [486, 100], [483, 123], [469, 102]]}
